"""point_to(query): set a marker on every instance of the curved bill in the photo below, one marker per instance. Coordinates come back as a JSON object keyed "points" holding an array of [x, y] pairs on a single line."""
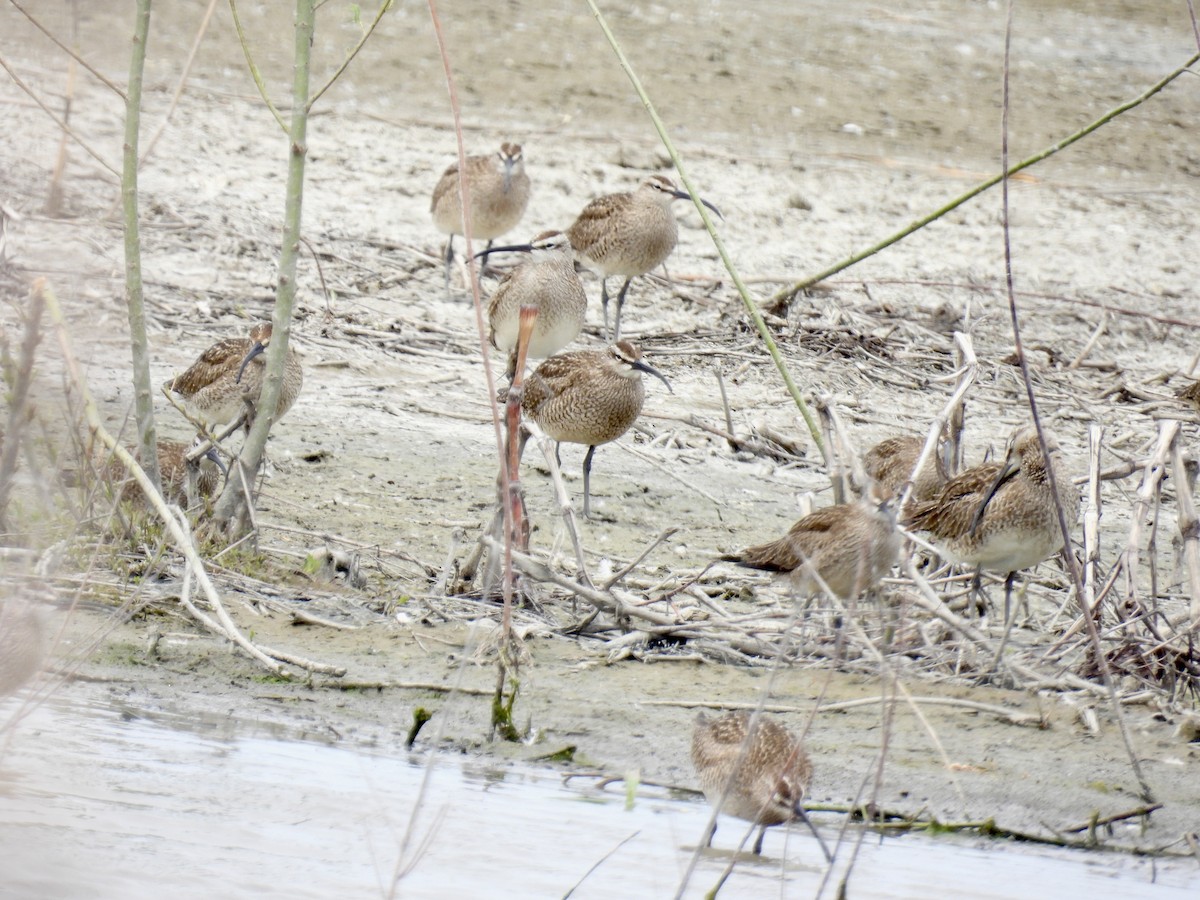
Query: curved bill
{"points": [[216, 458], [684, 195], [1009, 470], [650, 370], [254, 351], [803, 817], [515, 248]]}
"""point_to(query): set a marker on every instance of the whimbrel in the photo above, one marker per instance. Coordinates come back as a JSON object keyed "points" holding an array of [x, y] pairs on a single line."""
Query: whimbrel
{"points": [[547, 281], [628, 234], [229, 375], [22, 642], [499, 192], [1002, 516], [847, 547], [588, 397], [173, 468], [890, 464], [766, 783]]}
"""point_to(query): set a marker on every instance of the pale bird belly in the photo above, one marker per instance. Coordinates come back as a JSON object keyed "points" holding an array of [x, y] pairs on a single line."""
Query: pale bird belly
{"points": [[549, 340], [545, 341], [1012, 550], [216, 410]]}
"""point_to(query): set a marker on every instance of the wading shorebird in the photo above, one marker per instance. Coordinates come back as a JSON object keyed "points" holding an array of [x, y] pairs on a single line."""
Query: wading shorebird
{"points": [[499, 192], [628, 234], [1190, 395], [766, 784], [588, 397], [174, 470], [847, 547], [547, 281], [1002, 516], [228, 377], [890, 465], [22, 642]]}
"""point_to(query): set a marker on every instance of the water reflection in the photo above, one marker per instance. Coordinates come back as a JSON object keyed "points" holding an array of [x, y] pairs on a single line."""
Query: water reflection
{"points": [[97, 801]]}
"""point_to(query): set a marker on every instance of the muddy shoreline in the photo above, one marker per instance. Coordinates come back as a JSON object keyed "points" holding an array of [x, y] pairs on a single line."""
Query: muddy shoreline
{"points": [[815, 138]]}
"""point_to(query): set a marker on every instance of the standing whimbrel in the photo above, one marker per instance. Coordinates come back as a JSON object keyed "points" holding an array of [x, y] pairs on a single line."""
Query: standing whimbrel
{"points": [[499, 193], [847, 547], [766, 780], [588, 397], [1002, 516], [547, 281], [628, 234], [229, 375], [890, 465]]}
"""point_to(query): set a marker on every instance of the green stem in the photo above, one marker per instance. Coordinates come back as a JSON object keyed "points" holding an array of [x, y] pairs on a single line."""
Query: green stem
{"points": [[139, 347], [743, 291], [788, 292], [254, 73], [350, 56], [231, 511]]}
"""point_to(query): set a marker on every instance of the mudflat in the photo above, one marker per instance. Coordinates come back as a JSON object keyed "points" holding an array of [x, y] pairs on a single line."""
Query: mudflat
{"points": [[818, 132]]}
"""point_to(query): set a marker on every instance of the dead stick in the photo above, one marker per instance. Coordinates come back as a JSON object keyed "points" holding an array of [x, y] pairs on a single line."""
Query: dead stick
{"points": [[1013, 716], [564, 499], [1118, 817]]}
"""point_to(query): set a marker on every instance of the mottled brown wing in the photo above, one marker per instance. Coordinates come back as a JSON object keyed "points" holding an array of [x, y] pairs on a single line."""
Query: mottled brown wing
{"points": [[951, 512], [825, 519], [777, 556], [891, 461], [728, 730], [506, 284], [1190, 394], [787, 553], [554, 377], [447, 183], [593, 223], [172, 462], [221, 357]]}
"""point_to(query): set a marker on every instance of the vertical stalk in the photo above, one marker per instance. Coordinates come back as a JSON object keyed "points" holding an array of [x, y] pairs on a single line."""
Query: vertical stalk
{"points": [[231, 511], [516, 533], [143, 395], [748, 302], [16, 378]]}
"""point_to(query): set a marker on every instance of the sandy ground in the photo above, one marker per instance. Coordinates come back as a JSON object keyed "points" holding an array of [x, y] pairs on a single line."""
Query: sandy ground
{"points": [[816, 135]]}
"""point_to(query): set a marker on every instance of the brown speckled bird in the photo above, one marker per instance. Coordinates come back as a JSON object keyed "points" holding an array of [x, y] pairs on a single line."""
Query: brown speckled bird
{"points": [[22, 642], [848, 547], [229, 375], [628, 234], [1001, 516], [547, 281], [769, 785], [1190, 395], [890, 464], [173, 471], [588, 397], [499, 193]]}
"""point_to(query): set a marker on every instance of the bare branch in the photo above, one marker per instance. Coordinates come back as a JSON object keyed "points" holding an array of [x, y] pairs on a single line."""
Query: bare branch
{"points": [[384, 7], [67, 50], [57, 121]]}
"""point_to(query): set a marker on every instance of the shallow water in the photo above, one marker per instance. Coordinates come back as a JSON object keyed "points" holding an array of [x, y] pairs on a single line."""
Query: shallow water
{"points": [[97, 801]]}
